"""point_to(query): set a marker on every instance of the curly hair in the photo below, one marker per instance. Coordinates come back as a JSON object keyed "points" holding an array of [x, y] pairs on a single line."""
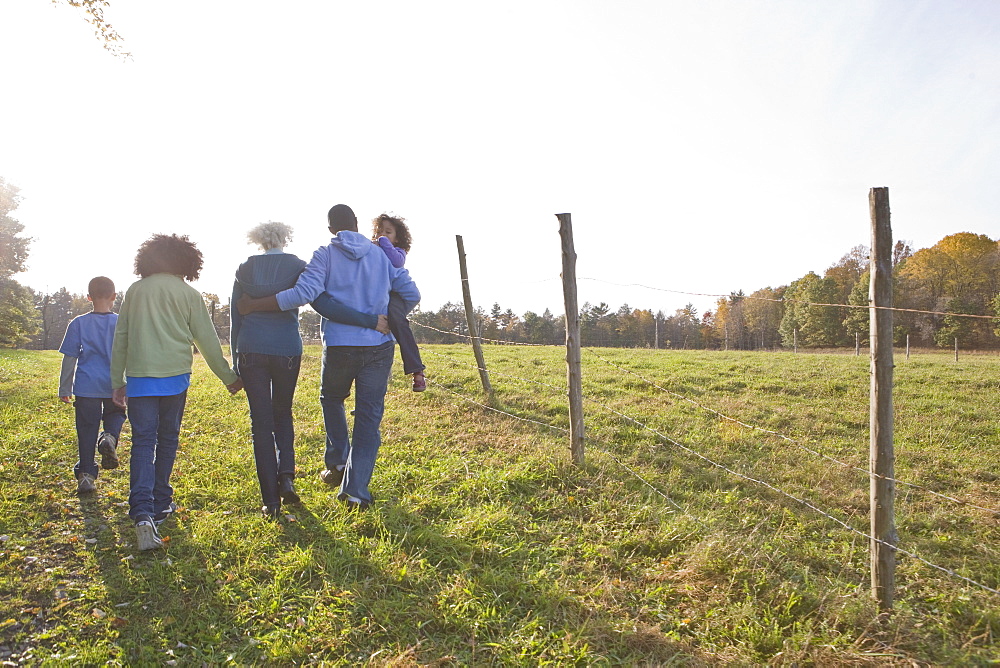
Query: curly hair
{"points": [[168, 254], [270, 235], [403, 238]]}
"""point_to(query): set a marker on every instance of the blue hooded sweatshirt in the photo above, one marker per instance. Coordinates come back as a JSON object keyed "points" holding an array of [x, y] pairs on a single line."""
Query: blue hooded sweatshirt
{"points": [[274, 333], [357, 274]]}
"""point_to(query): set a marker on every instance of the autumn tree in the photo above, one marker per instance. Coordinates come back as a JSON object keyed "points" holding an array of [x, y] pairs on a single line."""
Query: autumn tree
{"points": [[763, 311], [958, 272], [847, 271]]}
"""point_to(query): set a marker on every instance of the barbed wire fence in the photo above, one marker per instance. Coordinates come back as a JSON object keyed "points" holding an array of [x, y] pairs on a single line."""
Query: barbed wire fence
{"points": [[688, 449], [883, 541], [882, 536]]}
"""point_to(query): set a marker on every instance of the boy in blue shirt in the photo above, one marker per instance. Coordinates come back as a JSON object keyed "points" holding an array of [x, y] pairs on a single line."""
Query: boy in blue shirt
{"points": [[86, 374]]}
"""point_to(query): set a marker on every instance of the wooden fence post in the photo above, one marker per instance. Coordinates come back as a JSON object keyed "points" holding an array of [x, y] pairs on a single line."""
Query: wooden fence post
{"points": [[882, 487], [907, 347], [470, 318], [956, 348], [857, 344], [795, 340], [573, 372]]}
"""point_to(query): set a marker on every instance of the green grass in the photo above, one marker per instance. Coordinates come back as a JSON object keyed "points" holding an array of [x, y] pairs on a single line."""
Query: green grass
{"points": [[487, 546]]}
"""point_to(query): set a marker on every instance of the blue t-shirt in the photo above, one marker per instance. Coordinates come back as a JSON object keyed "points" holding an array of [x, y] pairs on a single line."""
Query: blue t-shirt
{"points": [[147, 386], [88, 338]]}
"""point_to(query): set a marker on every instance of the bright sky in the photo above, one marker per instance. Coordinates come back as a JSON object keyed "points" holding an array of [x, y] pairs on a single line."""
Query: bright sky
{"points": [[700, 146]]}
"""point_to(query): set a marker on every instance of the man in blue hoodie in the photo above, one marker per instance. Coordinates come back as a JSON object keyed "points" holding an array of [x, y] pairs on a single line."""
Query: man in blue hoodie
{"points": [[357, 274]]}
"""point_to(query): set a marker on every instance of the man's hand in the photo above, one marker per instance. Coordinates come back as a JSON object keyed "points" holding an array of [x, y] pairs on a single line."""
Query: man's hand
{"points": [[118, 396], [235, 387], [66, 400], [383, 324], [246, 304]]}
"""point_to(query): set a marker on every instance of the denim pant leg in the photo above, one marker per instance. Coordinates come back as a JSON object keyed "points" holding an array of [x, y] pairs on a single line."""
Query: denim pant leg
{"points": [[113, 418], [269, 382], [369, 405], [156, 423], [400, 328], [285, 377], [340, 365], [88, 423], [167, 440]]}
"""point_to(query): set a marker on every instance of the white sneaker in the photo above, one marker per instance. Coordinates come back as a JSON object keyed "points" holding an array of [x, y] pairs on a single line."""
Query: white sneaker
{"points": [[146, 535], [86, 484]]}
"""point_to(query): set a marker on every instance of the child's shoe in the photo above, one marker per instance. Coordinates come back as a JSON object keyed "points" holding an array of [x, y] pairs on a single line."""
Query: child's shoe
{"points": [[271, 512], [107, 445], [146, 534], [162, 516], [86, 484], [419, 382]]}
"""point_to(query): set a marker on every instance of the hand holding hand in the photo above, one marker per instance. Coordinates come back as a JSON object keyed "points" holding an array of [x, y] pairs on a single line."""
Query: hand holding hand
{"points": [[383, 324], [235, 387], [66, 400]]}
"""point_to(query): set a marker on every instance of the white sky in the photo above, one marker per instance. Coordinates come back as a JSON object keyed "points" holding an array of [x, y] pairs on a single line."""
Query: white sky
{"points": [[700, 146]]}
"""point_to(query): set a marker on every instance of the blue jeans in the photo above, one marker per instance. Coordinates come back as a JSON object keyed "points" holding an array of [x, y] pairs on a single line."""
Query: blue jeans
{"points": [[269, 381], [368, 368], [90, 412], [399, 308], [156, 426]]}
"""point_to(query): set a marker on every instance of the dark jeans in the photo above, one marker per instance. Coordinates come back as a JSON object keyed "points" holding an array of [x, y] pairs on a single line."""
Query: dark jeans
{"points": [[269, 381], [156, 426], [367, 367], [399, 308], [90, 412]]}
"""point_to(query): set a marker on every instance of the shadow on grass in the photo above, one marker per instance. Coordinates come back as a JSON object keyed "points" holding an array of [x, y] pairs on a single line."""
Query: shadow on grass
{"points": [[481, 606]]}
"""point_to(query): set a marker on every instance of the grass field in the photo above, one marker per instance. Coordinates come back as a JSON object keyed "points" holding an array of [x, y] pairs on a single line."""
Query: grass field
{"points": [[488, 547]]}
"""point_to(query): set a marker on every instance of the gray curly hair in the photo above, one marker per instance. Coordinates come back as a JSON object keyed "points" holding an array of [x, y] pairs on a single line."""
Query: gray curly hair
{"points": [[270, 235]]}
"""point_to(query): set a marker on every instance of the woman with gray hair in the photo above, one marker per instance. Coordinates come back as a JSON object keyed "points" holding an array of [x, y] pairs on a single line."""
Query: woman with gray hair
{"points": [[267, 352]]}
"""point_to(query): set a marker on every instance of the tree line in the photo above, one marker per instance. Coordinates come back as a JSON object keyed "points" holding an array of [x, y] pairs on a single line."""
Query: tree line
{"points": [[958, 275]]}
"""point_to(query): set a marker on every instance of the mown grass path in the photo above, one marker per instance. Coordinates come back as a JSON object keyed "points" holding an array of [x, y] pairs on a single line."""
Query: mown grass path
{"points": [[488, 547]]}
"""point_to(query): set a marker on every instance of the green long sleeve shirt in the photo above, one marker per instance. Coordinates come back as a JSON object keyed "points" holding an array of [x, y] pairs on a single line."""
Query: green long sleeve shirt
{"points": [[160, 318]]}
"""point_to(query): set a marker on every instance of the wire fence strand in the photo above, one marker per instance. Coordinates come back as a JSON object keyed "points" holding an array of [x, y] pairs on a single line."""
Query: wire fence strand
{"points": [[793, 441], [733, 472], [784, 300]]}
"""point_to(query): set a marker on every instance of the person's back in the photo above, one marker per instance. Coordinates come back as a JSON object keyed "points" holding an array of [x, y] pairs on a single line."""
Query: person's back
{"points": [[358, 274], [151, 366], [88, 339], [267, 332], [86, 375], [267, 350]]}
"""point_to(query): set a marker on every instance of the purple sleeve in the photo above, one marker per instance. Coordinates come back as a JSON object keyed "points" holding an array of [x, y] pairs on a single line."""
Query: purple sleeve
{"points": [[397, 256]]}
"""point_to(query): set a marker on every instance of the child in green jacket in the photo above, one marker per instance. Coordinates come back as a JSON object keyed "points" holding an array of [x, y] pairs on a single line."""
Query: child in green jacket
{"points": [[151, 364]]}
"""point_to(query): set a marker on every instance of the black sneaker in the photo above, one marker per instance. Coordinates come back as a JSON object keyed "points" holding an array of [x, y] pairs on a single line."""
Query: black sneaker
{"points": [[286, 490], [332, 477], [271, 512], [146, 535], [107, 445], [162, 516]]}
